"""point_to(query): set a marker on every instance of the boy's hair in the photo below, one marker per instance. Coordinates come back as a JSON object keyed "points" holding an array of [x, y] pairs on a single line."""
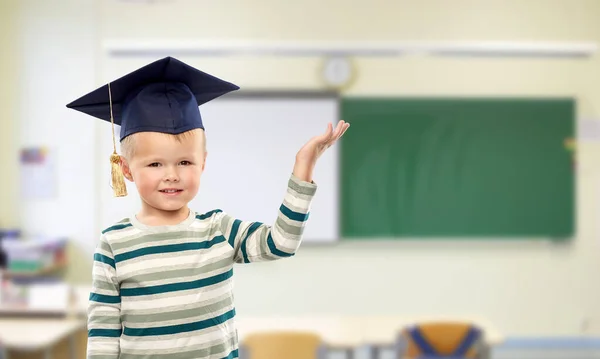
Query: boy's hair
{"points": [[128, 144]]}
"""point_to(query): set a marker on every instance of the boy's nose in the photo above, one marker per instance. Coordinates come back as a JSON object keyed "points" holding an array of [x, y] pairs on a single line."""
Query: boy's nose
{"points": [[171, 176]]}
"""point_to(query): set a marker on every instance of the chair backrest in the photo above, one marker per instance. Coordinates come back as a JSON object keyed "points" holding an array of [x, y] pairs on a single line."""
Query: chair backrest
{"points": [[282, 344], [442, 339]]}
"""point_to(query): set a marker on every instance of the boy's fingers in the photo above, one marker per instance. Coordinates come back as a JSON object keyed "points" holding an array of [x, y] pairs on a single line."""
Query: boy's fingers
{"points": [[335, 135], [329, 131], [341, 128], [331, 135]]}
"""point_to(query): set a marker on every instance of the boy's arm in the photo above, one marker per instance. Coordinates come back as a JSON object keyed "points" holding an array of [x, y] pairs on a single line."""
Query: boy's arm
{"points": [[104, 308], [256, 242]]}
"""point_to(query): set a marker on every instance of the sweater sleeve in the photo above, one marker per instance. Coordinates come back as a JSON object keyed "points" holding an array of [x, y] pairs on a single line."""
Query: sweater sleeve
{"points": [[257, 242], [104, 307]]}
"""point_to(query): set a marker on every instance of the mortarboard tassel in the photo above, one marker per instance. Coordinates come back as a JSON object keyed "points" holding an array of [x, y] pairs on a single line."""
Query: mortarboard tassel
{"points": [[118, 180]]}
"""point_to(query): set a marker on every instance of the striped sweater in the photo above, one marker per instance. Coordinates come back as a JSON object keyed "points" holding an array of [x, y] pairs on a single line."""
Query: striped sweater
{"points": [[167, 292]]}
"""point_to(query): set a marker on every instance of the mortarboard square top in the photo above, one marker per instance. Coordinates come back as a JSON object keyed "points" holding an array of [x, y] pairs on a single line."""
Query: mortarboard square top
{"points": [[162, 96]]}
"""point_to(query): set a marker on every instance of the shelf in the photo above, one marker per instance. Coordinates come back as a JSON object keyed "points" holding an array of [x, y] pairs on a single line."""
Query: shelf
{"points": [[38, 273], [7, 310]]}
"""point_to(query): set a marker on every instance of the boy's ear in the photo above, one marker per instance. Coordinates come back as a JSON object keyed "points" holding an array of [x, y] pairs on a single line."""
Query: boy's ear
{"points": [[204, 161], [126, 170]]}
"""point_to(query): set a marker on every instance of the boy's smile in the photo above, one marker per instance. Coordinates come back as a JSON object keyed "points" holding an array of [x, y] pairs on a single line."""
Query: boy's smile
{"points": [[171, 191]]}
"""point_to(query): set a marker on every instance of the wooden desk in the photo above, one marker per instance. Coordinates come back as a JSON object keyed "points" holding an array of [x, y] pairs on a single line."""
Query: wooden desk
{"points": [[336, 334], [30, 335]]}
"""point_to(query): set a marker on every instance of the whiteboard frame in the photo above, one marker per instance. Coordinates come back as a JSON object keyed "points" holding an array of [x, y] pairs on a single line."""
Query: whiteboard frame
{"points": [[132, 47]]}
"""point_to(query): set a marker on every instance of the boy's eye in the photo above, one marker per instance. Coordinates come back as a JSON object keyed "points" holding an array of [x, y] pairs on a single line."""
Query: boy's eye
{"points": [[155, 164], [185, 163]]}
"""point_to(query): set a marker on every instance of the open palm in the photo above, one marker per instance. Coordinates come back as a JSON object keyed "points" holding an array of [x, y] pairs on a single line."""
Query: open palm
{"points": [[316, 146]]}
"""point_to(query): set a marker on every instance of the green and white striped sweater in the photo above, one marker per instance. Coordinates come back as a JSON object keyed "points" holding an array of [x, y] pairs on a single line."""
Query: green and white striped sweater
{"points": [[166, 291]]}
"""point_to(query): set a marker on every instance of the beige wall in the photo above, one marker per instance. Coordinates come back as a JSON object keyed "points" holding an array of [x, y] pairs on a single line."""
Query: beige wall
{"points": [[9, 90], [359, 20]]}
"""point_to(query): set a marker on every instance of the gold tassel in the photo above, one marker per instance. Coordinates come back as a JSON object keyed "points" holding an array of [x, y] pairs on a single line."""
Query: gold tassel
{"points": [[118, 180]]}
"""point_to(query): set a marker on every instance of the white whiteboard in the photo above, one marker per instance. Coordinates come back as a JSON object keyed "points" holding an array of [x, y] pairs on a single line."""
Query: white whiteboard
{"points": [[252, 143]]}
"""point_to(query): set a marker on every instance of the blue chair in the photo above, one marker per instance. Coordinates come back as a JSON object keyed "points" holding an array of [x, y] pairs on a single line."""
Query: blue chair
{"points": [[442, 340]]}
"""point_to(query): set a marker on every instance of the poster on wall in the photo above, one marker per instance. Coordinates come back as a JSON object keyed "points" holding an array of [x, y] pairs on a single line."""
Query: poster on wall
{"points": [[38, 173]]}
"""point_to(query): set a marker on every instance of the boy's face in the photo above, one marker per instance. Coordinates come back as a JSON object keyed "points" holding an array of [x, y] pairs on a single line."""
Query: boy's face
{"points": [[166, 171]]}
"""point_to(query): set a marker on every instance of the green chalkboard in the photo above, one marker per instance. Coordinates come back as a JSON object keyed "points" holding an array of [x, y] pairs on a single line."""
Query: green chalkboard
{"points": [[476, 168]]}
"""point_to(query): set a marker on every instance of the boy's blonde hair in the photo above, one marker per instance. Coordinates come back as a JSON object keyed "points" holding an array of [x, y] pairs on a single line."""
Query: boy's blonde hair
{"points": [[128, 143]]}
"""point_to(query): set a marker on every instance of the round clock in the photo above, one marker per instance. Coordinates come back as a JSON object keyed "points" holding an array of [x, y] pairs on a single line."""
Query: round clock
{"points": [[338, 72]]}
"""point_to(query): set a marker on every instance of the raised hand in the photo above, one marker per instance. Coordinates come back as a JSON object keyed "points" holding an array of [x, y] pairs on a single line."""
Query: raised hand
{"points": [[307, 156]]}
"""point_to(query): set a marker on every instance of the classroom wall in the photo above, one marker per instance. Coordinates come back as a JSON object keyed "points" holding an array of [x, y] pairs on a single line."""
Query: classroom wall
{"points": [[525, 288], [58, 41], [9, 87]]}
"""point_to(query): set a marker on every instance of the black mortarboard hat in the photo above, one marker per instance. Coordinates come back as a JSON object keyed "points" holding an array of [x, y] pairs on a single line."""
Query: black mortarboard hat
{"points": [[162, 96]]}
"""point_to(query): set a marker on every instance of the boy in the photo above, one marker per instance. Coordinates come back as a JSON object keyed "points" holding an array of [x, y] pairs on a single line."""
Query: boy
{"points": [[162, 279]]}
